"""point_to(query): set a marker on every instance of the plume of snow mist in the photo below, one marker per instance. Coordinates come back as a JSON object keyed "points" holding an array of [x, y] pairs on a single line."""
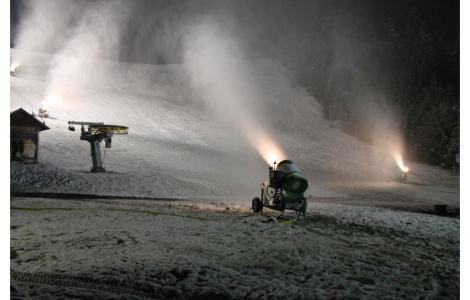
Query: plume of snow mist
{"points": [[78, 35], [399, 161], [14, 65], [43, 27], [383, 126], [79, 62], [225, 82]]}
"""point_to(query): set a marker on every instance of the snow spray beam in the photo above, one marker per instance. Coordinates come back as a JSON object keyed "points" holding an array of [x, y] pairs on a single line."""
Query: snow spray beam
{"points": [[14, 66], [42, 28], [399, 161], [397, 150], [395, 144], [385, 132], [226, 84], [95, 38], [78, 34]]}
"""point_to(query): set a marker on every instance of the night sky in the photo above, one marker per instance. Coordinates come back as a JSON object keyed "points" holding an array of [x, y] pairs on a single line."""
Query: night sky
{"points": [[442, 15], [265, 19]]}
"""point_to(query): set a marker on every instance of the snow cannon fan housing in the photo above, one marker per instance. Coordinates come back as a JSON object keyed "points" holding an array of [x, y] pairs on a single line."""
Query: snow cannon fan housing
{"points": [[288, 176]]}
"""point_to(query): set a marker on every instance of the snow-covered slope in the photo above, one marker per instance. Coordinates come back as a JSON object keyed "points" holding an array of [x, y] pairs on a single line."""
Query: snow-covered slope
{"points": [[175, 146]]}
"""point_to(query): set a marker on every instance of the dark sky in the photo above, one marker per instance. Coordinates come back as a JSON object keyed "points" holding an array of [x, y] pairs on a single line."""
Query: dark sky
{"points": [[439, 15], [13, 19], [284, 29]]}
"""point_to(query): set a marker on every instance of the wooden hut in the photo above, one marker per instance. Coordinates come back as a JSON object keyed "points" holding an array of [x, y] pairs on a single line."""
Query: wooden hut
{"points": [[24, 136]]}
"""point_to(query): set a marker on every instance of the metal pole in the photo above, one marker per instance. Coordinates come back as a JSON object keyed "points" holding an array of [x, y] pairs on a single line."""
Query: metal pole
{"points": [[96, 156]]}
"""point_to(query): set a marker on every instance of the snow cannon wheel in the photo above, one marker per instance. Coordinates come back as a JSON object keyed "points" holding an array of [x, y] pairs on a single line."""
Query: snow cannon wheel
{"points": [[256, 205]]}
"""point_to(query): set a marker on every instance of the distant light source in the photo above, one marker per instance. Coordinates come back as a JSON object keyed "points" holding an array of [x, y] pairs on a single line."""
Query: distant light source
{"points": [[404, 170], [46, 103], [14, 66], [401, 165]]}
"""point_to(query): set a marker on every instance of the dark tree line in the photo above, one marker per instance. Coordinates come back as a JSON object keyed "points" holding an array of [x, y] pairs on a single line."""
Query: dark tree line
{"points": [[428, 100], [362, 70]]}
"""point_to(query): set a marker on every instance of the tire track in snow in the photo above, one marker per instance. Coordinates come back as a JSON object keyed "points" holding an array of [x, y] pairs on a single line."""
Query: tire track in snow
{"points": [[84, 284]]}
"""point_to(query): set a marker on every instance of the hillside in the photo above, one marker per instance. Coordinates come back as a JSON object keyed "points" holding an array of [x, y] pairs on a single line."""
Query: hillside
{"points": [[195, 236], [177, 146]]}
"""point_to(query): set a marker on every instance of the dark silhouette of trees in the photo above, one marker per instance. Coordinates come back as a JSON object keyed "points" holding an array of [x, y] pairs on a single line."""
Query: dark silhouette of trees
{"points": [[361, 70], [430, 107]]}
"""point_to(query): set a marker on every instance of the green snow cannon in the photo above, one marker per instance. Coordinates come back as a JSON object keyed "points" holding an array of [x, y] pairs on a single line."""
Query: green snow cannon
{"points": [[284, 191], [294, 184]]}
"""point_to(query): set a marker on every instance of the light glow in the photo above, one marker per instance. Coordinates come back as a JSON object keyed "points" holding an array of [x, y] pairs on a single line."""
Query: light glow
{"points": [[272, 155], [267, 148], [48, 101], [271, 159], [399, 161], [14, 66]]}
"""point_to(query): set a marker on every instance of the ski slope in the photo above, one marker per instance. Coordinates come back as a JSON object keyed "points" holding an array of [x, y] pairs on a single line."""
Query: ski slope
{"points": [[177, 148]]}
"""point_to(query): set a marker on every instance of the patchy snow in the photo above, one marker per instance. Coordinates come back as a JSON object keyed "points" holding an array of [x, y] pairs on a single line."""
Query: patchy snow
{"points": [[202, 250], [175, 149]]}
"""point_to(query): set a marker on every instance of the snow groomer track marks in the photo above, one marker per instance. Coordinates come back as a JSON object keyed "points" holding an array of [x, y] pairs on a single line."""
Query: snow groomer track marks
{"points": [[87, 287]]}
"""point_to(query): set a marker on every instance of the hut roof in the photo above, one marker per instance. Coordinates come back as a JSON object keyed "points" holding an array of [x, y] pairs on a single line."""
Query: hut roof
{"points": [[22, 117]]}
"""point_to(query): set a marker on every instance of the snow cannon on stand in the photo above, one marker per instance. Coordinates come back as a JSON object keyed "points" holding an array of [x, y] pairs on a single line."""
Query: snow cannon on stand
{"points": [[43, 112], [285, 190], [403, 176]]}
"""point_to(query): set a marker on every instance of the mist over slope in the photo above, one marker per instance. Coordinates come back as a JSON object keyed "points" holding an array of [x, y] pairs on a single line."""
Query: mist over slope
{"points": [[177, 146]]}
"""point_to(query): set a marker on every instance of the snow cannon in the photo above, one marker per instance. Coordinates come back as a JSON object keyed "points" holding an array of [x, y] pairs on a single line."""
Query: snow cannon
{"points": [[285, 190], [43, 113], [294, 184], [404, 175]]}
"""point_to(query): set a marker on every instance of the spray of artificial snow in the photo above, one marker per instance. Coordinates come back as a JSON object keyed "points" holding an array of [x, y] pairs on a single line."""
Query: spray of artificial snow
{"points": [[225, 82]]}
